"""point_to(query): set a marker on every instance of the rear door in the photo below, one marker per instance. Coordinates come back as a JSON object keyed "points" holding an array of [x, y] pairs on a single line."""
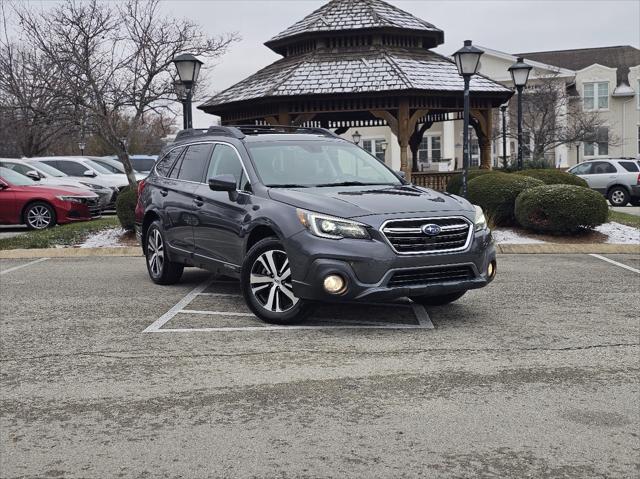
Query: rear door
{"points": [[221, 214], [602, 175]]}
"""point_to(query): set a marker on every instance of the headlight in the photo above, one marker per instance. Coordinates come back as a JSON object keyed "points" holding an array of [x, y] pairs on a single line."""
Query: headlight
{"points": [[71, 199], [91, 185], [480, 222], [330, 227]]}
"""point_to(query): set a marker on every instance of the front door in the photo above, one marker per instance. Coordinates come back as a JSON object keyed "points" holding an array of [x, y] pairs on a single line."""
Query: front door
{"points": [[221, 214], [8, 206], [602, 174]]}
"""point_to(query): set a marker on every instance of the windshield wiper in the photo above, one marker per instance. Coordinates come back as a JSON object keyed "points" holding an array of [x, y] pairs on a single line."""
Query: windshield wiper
{"points": [[290, 185], [350, 183]]}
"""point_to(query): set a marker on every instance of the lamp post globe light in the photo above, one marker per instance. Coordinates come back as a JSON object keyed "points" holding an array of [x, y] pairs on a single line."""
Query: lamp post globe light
{"points": [[188, 67], [467, 60], [520, 75], [356, 137]]}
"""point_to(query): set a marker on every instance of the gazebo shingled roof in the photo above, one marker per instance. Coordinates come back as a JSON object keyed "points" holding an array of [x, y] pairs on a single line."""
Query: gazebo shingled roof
{"points": [[355, 63]]}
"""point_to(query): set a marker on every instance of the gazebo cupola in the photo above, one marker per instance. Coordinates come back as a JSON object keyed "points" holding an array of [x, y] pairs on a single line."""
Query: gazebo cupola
{"points": [[358, 63]]}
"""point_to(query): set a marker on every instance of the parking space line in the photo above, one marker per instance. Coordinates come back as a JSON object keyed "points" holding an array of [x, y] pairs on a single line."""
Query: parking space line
{"points": [[158, 323], [221, 295], [289, 328], [422, 316], [217, 313], [22, 266], [604, 258]]}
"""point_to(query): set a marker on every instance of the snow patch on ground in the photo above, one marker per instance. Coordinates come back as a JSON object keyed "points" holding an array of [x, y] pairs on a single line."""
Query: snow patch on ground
{"points": [[512, 237], [619, 234], [104, 239]]}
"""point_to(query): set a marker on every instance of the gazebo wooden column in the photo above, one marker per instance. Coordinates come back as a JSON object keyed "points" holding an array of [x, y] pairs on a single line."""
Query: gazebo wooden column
{"points": [[483, 127]]}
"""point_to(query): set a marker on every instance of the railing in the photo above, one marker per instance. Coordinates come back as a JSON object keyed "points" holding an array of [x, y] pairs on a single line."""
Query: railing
{"points": [[436, 181]]}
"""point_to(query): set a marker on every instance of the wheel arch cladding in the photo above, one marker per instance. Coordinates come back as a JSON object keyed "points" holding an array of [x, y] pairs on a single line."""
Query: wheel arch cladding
{"points": [[259, 233], [149, 217]]}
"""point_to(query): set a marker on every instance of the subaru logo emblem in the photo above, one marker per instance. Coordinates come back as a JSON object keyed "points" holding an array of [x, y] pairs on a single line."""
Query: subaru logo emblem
{"points": [[431, 229]]}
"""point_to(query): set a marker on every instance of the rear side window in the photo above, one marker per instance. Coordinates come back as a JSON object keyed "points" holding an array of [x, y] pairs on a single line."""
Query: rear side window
{"points": [[71, 168], [602, 168], [194, 163], [629, 166], [164, 165]]}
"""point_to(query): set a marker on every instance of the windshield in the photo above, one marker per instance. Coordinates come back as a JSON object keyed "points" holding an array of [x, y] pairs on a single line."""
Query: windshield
{"points": [[317, 163], [46, 169], [142, 164], [15, 178], [99, 168]]}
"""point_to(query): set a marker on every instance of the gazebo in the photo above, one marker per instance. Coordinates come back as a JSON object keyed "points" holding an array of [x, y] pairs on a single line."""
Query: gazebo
{"points": [[358, 63]]}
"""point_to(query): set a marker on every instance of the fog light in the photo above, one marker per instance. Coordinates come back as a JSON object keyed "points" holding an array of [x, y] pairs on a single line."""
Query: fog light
{"points": [[491, 269], [334, 284]]}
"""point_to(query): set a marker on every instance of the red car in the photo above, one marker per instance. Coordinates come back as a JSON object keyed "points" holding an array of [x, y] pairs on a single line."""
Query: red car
{"points": [[23, 201]]}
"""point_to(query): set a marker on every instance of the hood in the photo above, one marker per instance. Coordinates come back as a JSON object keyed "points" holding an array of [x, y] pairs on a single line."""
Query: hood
{"points": [[59, 190], [62, 182], [355, 201]]}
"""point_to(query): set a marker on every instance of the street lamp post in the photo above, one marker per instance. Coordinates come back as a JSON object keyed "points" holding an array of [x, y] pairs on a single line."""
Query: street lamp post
{"points": [[82, 145], [384, 146], [356, 137], [467, 60], [188, 67], [503, 109], [520, 74], [181, 93]]}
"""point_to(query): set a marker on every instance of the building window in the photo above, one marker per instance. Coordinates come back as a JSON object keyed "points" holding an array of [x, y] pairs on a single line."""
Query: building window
{"points": [[374, 146], [430, 149], [600, 144], [475, 152], [596, 96]]}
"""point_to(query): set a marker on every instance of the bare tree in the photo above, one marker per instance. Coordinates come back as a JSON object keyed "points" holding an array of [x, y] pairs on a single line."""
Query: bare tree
{"points": [[116, 61], [552, 115]]}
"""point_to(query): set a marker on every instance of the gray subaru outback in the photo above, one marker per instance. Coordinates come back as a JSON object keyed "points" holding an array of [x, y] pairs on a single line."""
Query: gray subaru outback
{"points": [[302, 216]]}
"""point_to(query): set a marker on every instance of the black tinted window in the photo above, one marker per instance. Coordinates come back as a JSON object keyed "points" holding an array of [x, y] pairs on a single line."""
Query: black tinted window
{"points": [[629, 166], [164, 165], [142, 164], [194, 162], [602, 167], [225, 161], [70, 167]]}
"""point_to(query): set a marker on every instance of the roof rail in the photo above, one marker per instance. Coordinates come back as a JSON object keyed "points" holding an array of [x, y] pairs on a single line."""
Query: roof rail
{"points": [[274, 129], [226, 131], [189, 132]]}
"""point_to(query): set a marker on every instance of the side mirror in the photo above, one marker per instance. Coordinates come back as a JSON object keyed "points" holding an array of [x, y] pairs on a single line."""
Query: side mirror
{"points": [[34, 175], [3, 185], [222, 183], [90, 173], [401, 174]]}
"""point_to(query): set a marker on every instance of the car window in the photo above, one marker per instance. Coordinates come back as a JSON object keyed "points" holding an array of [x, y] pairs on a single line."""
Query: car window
{"points": [[142, 164], [48, 169], [602, 168], [629, 166], [99, 168], [20, 168], [71, 168], [225, 161], [194, 163], [583, 169], [164, 165], [175, 171], [108, 167], [16, 178]]}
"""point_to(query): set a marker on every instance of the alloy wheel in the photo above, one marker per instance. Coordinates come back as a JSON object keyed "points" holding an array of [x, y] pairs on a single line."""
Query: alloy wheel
{"points": [[617, 197], [39, 217], [270, 282], [155, 252]]}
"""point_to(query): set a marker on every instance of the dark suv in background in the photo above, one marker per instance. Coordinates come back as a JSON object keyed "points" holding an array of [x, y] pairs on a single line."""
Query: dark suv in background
{"points": [[301, 215]]}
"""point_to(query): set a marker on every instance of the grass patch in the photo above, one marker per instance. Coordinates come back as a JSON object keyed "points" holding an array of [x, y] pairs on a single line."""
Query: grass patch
{"points": [[624, 218], [64, 235]]}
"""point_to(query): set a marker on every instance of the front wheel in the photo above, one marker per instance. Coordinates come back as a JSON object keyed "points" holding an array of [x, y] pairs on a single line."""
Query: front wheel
{"points": [[267, 287], [161, 270], [618, 196], [39, 216], [438, 300]]}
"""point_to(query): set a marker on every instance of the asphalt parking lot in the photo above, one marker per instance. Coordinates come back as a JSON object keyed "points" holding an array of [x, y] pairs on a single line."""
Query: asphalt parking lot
{"points": [[106, 375]]}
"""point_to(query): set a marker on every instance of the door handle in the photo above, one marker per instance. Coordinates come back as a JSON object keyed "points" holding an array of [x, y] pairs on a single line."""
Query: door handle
{"points": [[164, 192], [198, 201]]}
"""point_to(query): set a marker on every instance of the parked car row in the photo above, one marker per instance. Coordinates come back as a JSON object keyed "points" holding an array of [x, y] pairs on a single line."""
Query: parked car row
{"points": [[617, 179], [45, 191]]}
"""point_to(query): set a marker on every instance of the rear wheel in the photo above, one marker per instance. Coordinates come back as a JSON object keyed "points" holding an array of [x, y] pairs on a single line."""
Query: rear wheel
{"points": [[618, 196], [438, 300], [161, 270], [267, 287], [39, 215]]}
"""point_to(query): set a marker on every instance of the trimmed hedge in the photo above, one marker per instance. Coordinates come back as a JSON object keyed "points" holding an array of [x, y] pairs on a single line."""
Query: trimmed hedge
{"points": [[554, 177], [496, 194], [126, 207], [560, 209], [455, 183]]}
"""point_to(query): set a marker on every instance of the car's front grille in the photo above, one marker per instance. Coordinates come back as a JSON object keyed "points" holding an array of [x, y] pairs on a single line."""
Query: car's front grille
{"points": [[408, 237], [94, 206], [426, 276]]}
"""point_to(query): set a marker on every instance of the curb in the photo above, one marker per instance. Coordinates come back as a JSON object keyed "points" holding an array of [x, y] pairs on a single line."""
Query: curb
{"points": [[543, 248], [69, 252]]}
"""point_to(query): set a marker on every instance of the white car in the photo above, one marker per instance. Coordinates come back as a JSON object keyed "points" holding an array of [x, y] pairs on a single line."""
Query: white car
{"points": [[114, 166], [49, 176], [618, 179]]}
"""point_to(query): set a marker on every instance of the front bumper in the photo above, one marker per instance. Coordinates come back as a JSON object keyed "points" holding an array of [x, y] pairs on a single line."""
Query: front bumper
{"points": [[370, 269]]}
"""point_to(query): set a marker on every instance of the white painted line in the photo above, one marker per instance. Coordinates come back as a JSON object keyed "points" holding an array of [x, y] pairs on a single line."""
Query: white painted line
{"points": [[286, 328], [422, 316], [216, 313], [603, 258], [22, 266], [221, 295], [158, 323]]}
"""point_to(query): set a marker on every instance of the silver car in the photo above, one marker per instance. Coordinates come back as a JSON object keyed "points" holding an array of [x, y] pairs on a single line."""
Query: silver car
{"points": [[617, 179]]}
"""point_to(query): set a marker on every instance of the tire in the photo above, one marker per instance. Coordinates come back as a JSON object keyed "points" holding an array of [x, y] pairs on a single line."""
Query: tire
{"points": [[266, 284], [618, 196], [438, 300], [39, 216], [161, 270]]}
